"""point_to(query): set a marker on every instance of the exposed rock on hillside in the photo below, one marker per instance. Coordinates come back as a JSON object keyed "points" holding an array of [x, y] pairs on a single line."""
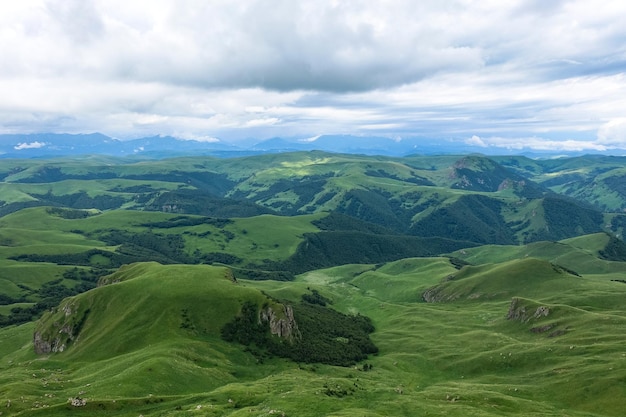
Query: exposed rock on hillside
{"points": [[518, 311], [56, 334], [285, 327], [527, 312]]}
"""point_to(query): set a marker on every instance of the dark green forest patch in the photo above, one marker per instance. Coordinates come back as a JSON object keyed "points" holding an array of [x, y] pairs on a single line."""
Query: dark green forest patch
{"points": [[163, 248], [186, 221], [373, 207], [326, 249], [341, 222], [81, 200], [93, 257], [201, 203], [615, 250], [324, 335], [9, 208], [473, 218], [69, 214], [306, 188], [565, 218], [206, 181], [414, 179]]}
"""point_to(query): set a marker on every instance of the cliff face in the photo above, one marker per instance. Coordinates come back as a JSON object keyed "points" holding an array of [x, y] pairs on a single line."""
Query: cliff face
{"points": [[61, 328], [284, 327]]}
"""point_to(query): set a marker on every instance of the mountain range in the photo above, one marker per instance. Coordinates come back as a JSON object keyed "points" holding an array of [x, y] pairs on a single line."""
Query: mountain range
{"points": [[40, 145]]}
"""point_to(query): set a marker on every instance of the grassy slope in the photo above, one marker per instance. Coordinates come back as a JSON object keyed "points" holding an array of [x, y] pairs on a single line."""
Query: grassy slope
{"points": [[132, 343], [460, 358], [578, 254], [311, 182], [584, 178], [36, 231]]}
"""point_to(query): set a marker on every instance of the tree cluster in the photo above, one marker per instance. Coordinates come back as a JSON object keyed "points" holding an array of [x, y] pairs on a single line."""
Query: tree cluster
{"points": [[326, 335]]}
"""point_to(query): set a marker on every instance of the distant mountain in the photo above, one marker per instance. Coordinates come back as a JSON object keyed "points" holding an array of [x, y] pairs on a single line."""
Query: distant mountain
{"points": [[43, 145], [366, 145], [53, 144]]}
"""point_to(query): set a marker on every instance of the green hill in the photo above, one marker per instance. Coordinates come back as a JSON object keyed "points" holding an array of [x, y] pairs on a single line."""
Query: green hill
{"points": [[582, 254], [529, 277], [312, 284], [149, 343], [594, 179], [512, 201], [148, 304]]}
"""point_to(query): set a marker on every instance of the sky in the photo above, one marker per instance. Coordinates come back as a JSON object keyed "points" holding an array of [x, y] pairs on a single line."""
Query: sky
{"points": [[515, 74]]}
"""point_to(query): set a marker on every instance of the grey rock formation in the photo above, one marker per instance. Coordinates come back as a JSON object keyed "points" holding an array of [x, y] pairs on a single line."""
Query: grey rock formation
{"points": [[55, 335], [284, 327]]}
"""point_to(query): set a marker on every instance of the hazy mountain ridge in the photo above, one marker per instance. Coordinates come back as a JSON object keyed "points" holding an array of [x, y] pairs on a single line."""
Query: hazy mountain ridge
{"points": [[46, 145]]}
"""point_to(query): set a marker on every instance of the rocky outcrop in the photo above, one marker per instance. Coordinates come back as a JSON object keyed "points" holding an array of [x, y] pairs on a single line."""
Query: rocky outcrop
{"points": [[520, 312], [44, 344], [438, 293], [525, 312], [62, 328], [284, 327]]}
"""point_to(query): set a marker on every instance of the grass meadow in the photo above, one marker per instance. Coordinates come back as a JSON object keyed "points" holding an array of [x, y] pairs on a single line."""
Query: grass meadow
{"points": [[462, 357]]}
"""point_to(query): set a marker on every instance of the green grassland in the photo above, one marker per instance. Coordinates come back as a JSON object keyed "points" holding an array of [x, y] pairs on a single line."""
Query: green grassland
{"points": [[133, 356], [594, 179], [491, 285], [37, 230], [580, 254]]}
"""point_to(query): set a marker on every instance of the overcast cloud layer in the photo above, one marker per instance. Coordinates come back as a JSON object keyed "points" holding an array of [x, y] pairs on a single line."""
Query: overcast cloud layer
{"points": [[533, 74]]}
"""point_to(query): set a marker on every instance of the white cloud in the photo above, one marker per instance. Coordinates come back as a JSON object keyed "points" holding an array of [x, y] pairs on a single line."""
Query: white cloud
{"points": [[29, 145], [537, 143], [310, 139], [476, 141], [613, 133], [441, 69], [206, 139], [262, 122]]}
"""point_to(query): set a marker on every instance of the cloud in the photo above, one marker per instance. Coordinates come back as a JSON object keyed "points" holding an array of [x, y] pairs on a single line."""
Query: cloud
{"points": [[262, 122], [476, 141], [310, 139], [613, 133], [536, 143], [206, 139], [30, 145], [78, 20], [310, 45], [449, 69]]}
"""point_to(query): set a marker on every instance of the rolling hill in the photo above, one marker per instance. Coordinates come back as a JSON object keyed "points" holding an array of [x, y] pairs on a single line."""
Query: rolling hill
{"points": [[312, 283], [414, 195], [148, 342]]}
